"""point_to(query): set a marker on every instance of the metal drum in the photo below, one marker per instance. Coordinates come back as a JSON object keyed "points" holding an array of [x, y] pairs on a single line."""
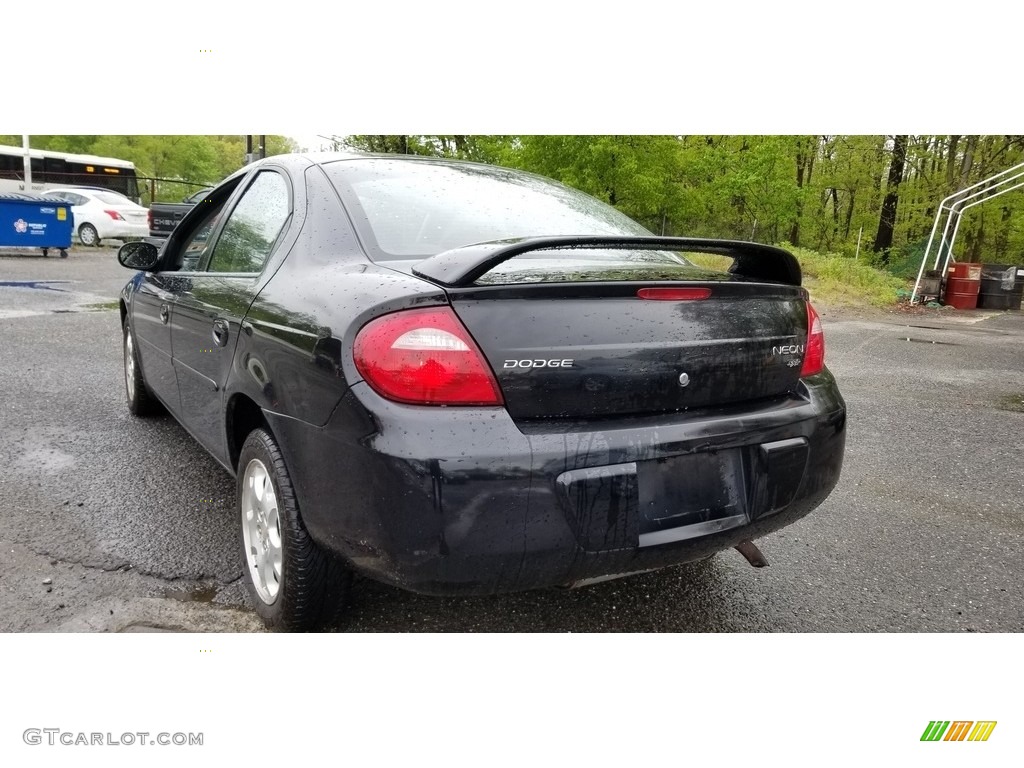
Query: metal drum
{"points": [[1002, 286], [963, 285]]}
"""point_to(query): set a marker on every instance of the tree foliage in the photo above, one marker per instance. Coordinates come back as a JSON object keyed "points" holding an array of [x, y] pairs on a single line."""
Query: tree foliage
{"points": [[829, 193]]}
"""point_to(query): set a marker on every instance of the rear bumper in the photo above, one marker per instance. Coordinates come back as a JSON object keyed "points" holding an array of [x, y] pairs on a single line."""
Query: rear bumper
{"points": [[459, 501]]}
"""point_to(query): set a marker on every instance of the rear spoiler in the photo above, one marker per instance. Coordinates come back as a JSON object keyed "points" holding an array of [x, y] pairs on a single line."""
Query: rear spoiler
{"points": [[461, 267]]}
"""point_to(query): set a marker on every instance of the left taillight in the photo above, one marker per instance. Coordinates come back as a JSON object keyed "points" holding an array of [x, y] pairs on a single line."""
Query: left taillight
{"points": [[114, 215], [424, 357], [814, 350]]}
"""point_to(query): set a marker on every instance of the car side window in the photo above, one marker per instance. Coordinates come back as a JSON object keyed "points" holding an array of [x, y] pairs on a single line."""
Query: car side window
{"points": [[193, 249], [253, 227]]}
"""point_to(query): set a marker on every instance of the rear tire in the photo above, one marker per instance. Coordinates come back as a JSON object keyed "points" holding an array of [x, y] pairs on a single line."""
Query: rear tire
{"points": [[141, 401], [88, 236], [293, 584]]}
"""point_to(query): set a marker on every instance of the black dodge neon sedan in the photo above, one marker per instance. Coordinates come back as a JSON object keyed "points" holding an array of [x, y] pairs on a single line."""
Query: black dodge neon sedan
{"points": [[463, 379]]}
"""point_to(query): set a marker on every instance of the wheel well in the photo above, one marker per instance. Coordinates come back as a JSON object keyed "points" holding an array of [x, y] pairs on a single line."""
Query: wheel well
{"points": [[124, 311], [243, 416]]}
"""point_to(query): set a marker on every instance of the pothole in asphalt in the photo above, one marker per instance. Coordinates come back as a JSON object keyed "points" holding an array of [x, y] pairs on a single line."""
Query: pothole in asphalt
{"points": [[200, 594], [147, 628], [929, 341]]}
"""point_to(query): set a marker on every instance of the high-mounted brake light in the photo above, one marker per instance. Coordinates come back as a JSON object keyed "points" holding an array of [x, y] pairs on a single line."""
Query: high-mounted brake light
{"points": [[114, 215], [424, 357], [814, 352], [673, 294]]}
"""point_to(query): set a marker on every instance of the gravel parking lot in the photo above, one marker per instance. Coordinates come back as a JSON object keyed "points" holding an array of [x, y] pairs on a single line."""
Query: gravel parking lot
{"points": [[108, 523]]}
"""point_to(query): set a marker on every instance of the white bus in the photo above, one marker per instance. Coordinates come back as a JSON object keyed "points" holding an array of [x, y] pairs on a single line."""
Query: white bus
{"points": [[63, 169]]}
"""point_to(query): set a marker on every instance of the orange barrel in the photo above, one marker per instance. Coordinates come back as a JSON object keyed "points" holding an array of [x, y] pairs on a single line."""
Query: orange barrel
{"points": [[963, 285]]}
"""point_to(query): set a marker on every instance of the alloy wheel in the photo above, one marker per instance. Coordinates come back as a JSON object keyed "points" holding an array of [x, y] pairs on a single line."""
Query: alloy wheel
{"points": [[88, 235], [261, 531], [129, 364]]}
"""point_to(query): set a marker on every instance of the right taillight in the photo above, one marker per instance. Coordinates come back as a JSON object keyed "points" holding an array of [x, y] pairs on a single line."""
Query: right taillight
{"points": [[424, 357], [814, 350]]}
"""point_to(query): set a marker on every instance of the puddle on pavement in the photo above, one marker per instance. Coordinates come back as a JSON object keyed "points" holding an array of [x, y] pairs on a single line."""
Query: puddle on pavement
{"points": [[44, 460], [201, 594], [41, 285]]}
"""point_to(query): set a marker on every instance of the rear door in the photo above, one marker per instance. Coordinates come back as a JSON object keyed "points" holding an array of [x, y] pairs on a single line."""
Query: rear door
{"points": [[214, 297]]}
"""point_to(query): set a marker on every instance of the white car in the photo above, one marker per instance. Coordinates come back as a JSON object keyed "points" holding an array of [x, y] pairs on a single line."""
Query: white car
{"points": [[101, 214]]}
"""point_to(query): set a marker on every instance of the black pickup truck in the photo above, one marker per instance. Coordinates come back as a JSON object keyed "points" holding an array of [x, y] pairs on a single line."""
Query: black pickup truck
{"points": [[164, 217]]}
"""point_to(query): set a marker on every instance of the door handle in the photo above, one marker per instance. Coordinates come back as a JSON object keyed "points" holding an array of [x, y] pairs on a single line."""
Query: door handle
{"points": [[165, 313], [220, 332]]}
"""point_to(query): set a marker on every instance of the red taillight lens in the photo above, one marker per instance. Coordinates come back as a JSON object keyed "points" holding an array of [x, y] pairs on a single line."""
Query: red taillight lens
{"points": [[424, 357], [814, 352], [149, 218], [114, 215], [674, 294]]}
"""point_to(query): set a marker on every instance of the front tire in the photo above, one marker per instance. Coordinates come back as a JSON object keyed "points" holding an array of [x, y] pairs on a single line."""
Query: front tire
{"points": [[293, 584], [88, 236], [141, 401]]}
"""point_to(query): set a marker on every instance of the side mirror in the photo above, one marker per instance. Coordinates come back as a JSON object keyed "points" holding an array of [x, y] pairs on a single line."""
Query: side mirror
{"points": [[139, 255]]}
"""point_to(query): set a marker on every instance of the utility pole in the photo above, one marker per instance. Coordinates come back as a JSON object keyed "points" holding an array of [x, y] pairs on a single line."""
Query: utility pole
{"points": [[260, 151], [250, 156], [28, 163]]}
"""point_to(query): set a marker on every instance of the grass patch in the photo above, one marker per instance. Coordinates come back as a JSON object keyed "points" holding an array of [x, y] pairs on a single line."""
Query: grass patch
{"points": [[830, 278], [102, 306], [1011, 403], [842, 281]]}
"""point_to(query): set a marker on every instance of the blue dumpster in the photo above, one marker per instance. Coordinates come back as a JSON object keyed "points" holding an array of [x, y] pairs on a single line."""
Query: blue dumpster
{"points": [[30, 221]]}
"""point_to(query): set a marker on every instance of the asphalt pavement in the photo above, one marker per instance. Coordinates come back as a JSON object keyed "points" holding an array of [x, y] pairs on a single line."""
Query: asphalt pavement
{"points": [[111, 523]]}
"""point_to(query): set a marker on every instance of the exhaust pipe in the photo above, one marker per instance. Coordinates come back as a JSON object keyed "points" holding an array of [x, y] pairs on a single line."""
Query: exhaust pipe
{"points": [[750, 551]]}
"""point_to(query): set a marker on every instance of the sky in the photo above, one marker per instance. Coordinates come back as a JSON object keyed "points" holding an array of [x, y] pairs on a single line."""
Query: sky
{"points": [[790, 66]]}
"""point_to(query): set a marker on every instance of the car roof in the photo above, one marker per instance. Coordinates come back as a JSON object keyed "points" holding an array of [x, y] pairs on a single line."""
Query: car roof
{"points": [[320, 158], [297, 161], [90, 191], [80, 190]]}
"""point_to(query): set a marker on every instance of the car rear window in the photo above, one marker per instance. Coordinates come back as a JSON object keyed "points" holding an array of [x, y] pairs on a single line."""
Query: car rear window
{"points": [[414, 209], [110, 198]]}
